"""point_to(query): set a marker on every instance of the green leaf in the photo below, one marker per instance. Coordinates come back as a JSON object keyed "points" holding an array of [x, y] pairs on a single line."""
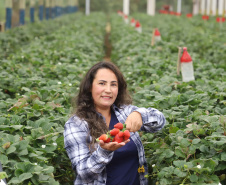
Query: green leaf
{"points": [[20, 179], [166, 172], [168, 153], [11, 149], [195, 141], [223, 156], [18, 172], [173, 129], [4, 159], [184, 143], [25, 176], [173, 100], [179, 163], [179, 173], [192, 149], [23, 152], [3, 175], [25, 89], [204, 148], [50, 148], [194, 178], [179, 153], [43, 177], [48, 169], [165, 181]]}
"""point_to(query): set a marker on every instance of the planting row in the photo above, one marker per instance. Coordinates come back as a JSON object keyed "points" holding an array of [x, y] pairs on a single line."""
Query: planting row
{"points": [[38, 78], [191, 148]]}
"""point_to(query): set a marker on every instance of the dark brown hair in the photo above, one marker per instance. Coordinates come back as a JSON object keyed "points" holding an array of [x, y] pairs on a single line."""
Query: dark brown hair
{"points": [[83, 105]]}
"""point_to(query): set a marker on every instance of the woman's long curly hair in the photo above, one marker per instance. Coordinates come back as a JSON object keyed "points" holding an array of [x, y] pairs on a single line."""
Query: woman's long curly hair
{"points": [[83, 104]]}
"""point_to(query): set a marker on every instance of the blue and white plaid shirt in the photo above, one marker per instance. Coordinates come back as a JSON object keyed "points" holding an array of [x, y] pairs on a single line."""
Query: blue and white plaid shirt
{"points": [[90, 167]]}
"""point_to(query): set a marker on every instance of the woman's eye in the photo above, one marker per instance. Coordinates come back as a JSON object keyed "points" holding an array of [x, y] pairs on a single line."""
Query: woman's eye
{"points": [[114, 84], [101, 83]]}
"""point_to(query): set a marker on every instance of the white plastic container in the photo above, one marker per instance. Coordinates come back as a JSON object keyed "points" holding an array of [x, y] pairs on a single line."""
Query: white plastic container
{"points": [[126, 19], [187, 69], [138, 27], [133, 22], [157, 35]]}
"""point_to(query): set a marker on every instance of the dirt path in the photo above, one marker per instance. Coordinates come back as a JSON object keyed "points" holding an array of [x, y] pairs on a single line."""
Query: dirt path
{"points": [[107, 43]]}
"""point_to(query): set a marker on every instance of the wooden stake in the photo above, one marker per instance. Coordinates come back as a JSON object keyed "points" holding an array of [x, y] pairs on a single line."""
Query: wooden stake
{"points": [[178, 60], [108, 27], [153, 38], [2, 26]]}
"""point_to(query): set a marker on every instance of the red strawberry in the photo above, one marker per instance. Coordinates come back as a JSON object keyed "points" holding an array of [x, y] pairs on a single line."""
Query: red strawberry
{"points": [[126, 134], [114, 131], [108, 140], [103, 137], [119, 126], [118, 139], [121, 134]]}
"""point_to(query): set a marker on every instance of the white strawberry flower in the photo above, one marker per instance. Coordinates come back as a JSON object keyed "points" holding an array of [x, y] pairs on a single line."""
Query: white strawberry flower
{"points": [[35, 164], [153, 165], [43, 146], [55, 144], [59, 63], [70, 84], [199, 166], [59, 83], [76, 60]]}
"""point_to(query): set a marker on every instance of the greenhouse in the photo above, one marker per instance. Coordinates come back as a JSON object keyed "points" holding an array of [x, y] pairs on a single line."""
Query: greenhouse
{"points": [[123, 92]]}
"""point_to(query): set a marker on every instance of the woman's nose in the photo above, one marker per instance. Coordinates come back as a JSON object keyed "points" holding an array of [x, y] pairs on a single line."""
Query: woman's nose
{"points": [[108, 88]]}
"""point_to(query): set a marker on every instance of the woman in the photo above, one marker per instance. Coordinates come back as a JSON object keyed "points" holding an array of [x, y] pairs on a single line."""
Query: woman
{"points": [[103, 101]]}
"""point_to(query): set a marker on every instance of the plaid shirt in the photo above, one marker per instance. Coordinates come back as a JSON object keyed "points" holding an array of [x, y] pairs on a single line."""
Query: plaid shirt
{"points": [[90, 167]]}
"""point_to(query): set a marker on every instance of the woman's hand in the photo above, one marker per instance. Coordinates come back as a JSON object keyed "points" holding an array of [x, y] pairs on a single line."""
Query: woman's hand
{"points": [[134, 122], [112, 146]]}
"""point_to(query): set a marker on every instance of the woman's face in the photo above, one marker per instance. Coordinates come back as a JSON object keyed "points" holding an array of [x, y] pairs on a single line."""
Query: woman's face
{"points": [[104, 89]]}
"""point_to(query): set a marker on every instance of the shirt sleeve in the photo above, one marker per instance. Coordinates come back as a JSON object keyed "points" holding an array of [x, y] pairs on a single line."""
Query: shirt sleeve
{"points": [[153, 119], [86, 164]]}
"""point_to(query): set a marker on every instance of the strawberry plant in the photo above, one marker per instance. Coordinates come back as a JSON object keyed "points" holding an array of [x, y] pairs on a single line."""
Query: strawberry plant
{"points": [[38, 78], [191, 147]]}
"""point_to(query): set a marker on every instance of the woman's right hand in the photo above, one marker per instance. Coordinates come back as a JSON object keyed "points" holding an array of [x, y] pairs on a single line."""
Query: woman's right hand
{"points": [[112, 146]]}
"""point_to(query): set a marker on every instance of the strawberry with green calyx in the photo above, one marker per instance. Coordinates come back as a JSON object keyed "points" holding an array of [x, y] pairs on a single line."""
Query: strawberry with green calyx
{"points": [[120, 126], [126, 135], [114, 131], [104, 137]]}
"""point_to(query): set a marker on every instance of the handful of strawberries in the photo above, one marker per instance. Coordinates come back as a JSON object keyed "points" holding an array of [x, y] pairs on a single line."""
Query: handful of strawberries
{"points": [[117, 134]]}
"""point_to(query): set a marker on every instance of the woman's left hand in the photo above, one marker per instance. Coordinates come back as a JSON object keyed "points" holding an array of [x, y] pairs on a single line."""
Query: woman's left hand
{"points": [[134, 122]]}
